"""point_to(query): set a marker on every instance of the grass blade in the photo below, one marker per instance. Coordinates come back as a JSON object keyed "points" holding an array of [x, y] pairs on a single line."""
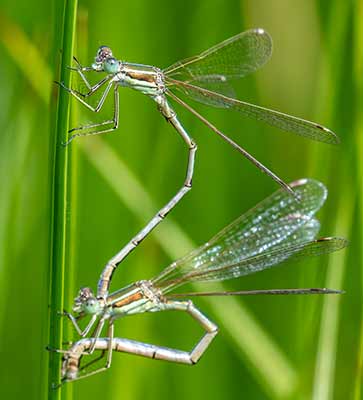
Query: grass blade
{"points": [[60, 189], [324, 386], [329, 330], [358, 129]]}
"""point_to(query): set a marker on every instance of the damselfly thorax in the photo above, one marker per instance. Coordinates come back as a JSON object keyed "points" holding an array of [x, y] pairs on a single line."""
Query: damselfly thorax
{"points": [[146, 79], [138, 297]]}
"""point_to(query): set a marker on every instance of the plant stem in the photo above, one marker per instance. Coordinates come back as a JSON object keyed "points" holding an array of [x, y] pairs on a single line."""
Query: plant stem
{"points": [[358, 128], [60, 193]]}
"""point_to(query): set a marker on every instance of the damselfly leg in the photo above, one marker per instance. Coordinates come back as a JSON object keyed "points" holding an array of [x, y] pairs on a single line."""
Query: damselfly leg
{"points": [[80, 69], [114, 121]]}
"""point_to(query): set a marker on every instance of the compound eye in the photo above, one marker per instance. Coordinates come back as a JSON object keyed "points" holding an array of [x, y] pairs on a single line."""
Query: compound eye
{"points": [[111, 65], [103, 53], [101, 49], [91, 302], [85, 293]]}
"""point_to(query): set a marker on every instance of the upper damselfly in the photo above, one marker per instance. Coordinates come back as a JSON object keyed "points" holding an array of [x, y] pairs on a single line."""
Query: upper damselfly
{"points": [[206, 78]]}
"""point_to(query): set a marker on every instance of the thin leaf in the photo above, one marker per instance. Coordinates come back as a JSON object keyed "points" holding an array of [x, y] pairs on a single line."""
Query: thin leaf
{"points": [[61, 193]]}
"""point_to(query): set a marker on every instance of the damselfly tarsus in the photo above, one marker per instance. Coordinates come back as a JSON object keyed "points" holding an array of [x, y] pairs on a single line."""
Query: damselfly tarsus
{"points": [[276, 230], [205, 78]]}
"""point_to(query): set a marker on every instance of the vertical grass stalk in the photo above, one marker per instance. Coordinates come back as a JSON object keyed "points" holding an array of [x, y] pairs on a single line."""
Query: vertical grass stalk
{"points": [[324, 386], [358, 129], [60, 193]]}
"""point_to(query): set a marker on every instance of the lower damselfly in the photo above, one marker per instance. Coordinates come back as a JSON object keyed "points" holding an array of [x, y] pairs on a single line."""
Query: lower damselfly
{"points": [[205, 78], [278, 229]]}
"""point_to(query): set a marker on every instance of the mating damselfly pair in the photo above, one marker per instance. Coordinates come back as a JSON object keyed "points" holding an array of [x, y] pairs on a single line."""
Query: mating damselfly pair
{"points": [[281, 228]]}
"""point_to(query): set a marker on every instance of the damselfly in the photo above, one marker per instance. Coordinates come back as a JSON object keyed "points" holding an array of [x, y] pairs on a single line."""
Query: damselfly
{"points": [[205, 78], [276, 230]]}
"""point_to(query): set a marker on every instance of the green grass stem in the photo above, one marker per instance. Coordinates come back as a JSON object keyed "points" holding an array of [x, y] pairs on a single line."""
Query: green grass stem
{"points": [[60, 188], [358, 130], [325, 367], [331, 75]]}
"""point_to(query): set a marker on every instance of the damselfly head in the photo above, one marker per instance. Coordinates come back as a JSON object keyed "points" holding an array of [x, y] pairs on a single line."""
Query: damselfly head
{"points": [[103, 54], [86, 302]]}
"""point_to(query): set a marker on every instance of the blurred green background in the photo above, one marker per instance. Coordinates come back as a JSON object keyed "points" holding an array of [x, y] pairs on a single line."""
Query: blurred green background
{"points": [[268, 348]]}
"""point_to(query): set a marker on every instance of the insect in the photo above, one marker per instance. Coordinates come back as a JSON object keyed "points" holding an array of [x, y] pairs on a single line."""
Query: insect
{"points": [[205, 78], [276, 230]]}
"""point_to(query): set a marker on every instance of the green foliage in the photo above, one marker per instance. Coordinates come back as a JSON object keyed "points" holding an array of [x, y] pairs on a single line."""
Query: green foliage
{"points": [[279, 348]]}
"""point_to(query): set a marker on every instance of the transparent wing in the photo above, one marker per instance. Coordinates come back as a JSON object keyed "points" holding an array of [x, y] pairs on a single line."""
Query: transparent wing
{"points": [[269, 292], [277, 119], [275, 220], [262, 261], [232, 262], [223, 88], [233, 58]]}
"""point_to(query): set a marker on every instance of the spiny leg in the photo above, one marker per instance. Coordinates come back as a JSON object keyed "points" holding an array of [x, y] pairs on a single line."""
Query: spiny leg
{"points": [[94, 343], [114, 120], [103, 353], [80, 69], [110, 343], [75, 94], [109, 351], [92, 89], [106, 276], [80, 97], [74, 321], [96, 334], [95, 360]]}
